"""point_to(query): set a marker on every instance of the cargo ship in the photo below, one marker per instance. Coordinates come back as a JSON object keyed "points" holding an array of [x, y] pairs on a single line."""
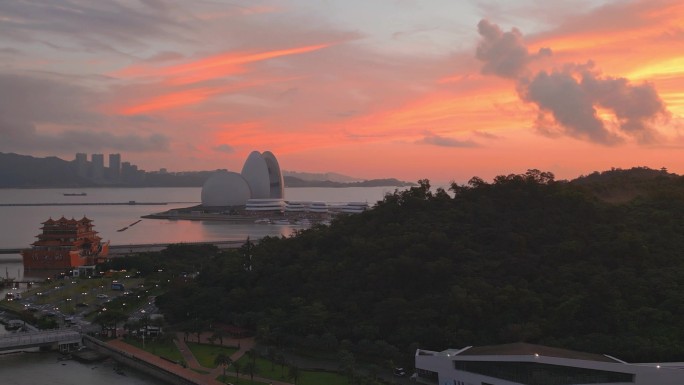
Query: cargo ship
{"points": [[65, 244]]}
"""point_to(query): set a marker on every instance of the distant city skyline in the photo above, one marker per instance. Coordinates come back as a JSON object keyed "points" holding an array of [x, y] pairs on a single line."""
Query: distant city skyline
{"points": [[435, 89], [113, 173]]}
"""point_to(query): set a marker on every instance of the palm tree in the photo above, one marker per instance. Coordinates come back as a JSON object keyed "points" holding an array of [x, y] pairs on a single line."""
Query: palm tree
{"points": [[117, 317], [236, 366], [293, 373], [223, 360], [250, 368], [280, 358], [219, 334], [271, 353], [253, 354]]}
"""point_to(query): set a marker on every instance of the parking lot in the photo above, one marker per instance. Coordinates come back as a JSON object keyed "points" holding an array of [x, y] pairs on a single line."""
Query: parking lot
{"points": [[74, 302]]}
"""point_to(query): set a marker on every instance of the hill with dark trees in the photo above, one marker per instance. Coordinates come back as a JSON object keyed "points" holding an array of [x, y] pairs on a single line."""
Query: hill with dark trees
{"points": [[23, 171], [522, 258], [26, 171]]}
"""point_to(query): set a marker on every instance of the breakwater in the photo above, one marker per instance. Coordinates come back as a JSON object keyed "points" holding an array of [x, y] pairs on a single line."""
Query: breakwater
{"points": [[143, 247], [130, 203]]}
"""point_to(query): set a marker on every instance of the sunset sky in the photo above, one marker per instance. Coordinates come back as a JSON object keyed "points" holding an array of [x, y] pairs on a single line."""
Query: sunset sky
{"points": [[412, 89]]}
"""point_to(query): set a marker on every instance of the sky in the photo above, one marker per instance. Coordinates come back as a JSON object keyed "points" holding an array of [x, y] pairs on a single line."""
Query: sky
{"points": [[411, 89]]}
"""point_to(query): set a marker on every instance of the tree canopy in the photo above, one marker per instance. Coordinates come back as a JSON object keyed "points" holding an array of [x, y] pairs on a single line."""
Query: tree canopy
{"points": [[524, 258]]}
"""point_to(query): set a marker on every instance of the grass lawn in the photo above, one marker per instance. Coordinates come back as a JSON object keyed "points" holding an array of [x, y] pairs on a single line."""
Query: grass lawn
{"points": [[161, 348], [307, 377], [206, 354], [265, 369], [240, 381]]}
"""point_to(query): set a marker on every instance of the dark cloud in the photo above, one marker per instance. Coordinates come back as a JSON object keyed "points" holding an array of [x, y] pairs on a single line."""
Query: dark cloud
{"points": [[571, 96], [165, 56], [634, 106], [37, 99], [23, 137], [503, 53], [442, 141], [9, 51], [225, 148], [113, 20], [28, 102], [561, 95], [484, 134]]}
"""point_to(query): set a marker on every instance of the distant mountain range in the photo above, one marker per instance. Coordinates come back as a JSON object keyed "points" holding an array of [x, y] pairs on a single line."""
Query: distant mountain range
{"points": [[327, 176], [24, 171]]}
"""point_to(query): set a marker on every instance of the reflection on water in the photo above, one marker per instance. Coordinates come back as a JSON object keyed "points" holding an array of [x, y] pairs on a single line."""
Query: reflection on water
{"points": [[20, 225], [46, 369]]}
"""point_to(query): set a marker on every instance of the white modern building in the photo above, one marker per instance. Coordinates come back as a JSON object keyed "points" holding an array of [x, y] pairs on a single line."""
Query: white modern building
{"points": [[318, 207], [527, 364], [260, 179], [297, 207], [354, 207], [276, 205]]}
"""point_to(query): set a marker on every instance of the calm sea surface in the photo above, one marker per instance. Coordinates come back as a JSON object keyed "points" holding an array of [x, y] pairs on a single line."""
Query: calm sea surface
{"points": [[20, 224]]}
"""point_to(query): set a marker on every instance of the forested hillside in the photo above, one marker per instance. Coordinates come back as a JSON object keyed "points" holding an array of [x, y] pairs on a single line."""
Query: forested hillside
{"points": [[524, 258]]}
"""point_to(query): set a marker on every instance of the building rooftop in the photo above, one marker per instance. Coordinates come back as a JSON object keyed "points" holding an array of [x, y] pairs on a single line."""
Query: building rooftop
{"points": [[524, 349]]}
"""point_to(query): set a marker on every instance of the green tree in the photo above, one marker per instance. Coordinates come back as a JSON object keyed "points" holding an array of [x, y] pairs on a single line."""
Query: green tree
{"points": [[219, 334], [293, 373], [223, 360], [250, 367], [236, 367]]}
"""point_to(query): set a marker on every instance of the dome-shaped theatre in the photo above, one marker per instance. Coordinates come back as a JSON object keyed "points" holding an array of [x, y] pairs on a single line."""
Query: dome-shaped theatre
{"points": [[225, 189], [260, 178]]}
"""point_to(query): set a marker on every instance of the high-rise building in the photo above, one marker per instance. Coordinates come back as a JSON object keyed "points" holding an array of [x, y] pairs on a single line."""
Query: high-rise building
{"points": [[97, 166], [114, 167], [81, 164]]}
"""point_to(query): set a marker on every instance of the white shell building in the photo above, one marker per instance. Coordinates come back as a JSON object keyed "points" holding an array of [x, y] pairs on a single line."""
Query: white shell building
{"points": [[225, 188], [260, 178]]}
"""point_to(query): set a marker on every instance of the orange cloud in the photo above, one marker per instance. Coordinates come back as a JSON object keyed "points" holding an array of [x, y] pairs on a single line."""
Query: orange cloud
{"points": [[189, 97], [171, 100], [494, 106], [212, 67]]}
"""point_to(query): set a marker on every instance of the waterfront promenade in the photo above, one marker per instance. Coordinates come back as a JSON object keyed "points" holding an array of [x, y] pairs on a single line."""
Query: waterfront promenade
{"points": [[192, 372]]}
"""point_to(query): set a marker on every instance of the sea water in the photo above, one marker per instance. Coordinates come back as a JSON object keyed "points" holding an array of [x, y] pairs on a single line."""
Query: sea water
{"points": [[19, 226]]}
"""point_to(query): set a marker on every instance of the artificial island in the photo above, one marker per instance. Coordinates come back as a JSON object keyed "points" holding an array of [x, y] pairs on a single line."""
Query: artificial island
{"points": [[257, 194]]}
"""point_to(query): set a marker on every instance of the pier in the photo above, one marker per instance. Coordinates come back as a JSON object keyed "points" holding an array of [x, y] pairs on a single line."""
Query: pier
{"points": [[61, 338]]}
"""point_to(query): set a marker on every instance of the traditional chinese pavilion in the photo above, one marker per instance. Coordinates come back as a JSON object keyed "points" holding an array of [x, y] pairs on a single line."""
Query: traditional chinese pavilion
{"points": [[65, 243]]}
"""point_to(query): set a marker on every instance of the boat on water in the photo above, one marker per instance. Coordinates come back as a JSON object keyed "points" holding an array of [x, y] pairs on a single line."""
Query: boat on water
{"points": [[81, 194], [64, 244]]}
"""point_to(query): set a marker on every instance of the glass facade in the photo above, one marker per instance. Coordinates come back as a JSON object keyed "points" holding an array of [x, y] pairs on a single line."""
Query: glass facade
{"points": [[534, 373]]}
